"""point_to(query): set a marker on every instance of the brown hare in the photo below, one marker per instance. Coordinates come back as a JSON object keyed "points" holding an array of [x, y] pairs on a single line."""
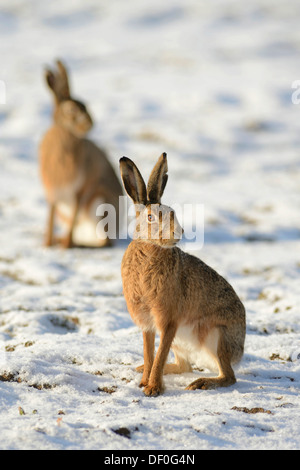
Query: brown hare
{"points": [[76, 174], [193, 308]]}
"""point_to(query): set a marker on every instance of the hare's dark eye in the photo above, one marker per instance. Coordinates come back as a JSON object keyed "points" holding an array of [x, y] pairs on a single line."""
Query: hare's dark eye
{"points": [[150, 217]]}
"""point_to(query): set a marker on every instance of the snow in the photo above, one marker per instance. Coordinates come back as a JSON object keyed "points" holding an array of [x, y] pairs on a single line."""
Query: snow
{"points": [[210, 83]]}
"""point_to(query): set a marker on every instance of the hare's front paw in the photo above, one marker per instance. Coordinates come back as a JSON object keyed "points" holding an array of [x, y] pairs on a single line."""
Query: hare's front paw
{"points": [[67, 242], [144, 382], [140, 368], [153, 390]]}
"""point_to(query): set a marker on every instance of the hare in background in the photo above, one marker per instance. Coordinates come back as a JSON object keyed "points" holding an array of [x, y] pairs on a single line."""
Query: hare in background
{"points": [[76, 174], [194, 309]]}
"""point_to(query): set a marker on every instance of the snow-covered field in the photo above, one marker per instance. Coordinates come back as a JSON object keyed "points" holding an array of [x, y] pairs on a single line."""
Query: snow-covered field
{"points": [[210, 83]]}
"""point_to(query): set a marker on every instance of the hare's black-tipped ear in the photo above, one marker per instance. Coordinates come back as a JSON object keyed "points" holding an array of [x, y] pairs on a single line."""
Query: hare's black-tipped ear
{"points": [[158, 180], [50, 79], [58, 82], [133, 181], [63, 79]]}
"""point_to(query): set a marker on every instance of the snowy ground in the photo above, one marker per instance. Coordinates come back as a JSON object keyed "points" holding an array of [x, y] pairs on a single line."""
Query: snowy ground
{"points": [[210, 83]]}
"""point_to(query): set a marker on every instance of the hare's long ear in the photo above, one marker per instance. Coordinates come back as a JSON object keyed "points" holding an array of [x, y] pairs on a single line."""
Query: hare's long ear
{"points": [[58, 82], [158, 180], [133, 181]]}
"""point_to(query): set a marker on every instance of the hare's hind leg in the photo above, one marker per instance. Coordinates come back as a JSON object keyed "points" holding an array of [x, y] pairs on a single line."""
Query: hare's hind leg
{"points": [[219, 348], [179, 366]]}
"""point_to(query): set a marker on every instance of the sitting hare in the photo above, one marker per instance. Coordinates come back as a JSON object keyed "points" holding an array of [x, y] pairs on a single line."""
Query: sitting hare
{"points": [[76, 174], [193, 308]]}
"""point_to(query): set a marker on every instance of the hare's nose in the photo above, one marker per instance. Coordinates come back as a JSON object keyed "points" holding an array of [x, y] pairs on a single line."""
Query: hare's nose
{"points": [[178, 233]]}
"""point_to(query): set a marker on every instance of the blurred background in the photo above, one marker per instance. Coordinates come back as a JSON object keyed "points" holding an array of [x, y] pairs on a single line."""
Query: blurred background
{"points": [[210, 83]]}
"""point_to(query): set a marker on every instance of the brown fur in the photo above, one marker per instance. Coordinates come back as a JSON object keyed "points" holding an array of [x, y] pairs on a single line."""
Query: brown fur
{"points": [[73, 169], [178, 295]]}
